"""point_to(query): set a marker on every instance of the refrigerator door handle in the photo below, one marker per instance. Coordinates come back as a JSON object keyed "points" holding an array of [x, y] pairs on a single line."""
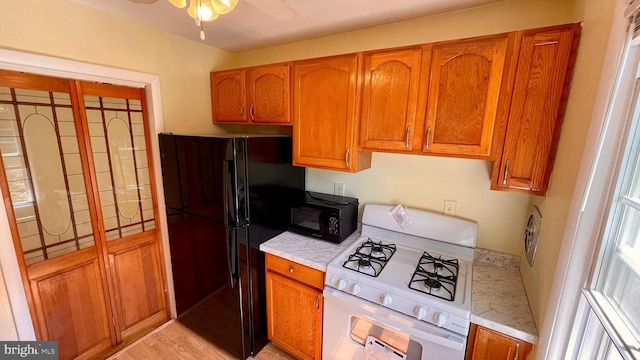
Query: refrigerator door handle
{"points": [[232, 256], [227, 194], [235, 189]]}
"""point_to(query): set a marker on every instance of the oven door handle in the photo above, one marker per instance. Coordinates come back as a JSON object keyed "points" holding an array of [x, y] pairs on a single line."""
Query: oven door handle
{"points": [[455, 342]]}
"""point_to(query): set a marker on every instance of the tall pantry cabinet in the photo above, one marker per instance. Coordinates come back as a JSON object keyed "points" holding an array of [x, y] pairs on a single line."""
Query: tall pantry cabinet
{"points": [[80, 196]]}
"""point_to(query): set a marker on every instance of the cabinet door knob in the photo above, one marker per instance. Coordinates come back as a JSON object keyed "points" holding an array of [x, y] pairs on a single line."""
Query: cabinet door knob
{"points": [[253, 117], [290, 269], [318, 301], [346, 157], [426, 145], [406, 138], [242, 111], [517, 351], [506, 173]]}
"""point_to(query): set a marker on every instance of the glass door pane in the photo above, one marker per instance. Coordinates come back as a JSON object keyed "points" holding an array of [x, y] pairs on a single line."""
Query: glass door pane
{"points": [[119, 149], [44, 173]]}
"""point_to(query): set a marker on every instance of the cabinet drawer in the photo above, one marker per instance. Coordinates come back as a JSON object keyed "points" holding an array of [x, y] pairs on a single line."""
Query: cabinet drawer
{"points": [[295, 271]]}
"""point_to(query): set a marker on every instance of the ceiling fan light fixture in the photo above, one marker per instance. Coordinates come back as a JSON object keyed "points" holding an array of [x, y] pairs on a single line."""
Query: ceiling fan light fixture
{"points": [[202, 10], [224, 6], [179, 3]]}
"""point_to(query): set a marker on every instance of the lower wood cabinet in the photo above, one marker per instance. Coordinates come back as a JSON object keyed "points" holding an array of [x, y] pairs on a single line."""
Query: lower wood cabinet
{"points": [[485, 344], [294, 307]]}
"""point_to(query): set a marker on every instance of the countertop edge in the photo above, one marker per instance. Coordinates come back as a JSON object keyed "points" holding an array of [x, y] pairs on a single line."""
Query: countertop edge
{"points": [[285, 255], [504, 329]]}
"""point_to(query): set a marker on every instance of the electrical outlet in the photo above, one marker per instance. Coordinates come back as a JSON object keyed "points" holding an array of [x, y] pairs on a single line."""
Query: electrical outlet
{"points": [[450, 207], [338, 189]]}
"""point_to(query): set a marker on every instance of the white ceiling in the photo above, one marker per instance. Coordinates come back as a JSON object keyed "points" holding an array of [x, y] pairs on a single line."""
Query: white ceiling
{"points": [[259, 23]]}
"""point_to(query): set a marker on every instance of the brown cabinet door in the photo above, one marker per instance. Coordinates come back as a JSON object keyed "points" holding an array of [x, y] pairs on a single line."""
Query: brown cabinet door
{"points": [[390, 100], [325, 110], [294, 316], [537, 109], [490, 345], [228, 96], [269, 96], [464, 88]]}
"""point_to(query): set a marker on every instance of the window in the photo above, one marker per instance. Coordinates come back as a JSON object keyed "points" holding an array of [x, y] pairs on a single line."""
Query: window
{"points": [[608, 323]]}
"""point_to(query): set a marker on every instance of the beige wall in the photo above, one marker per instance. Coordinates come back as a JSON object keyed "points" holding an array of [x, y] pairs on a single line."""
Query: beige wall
{"points": [[67, 30], [425, 182], [7, 326], [422, 181], [538, 280]]}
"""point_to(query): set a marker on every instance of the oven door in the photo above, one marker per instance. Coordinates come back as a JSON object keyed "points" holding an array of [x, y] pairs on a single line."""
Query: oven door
{"points": [[349, 320]]}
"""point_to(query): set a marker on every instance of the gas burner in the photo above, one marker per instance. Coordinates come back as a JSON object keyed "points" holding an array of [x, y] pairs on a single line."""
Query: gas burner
{"points": [[364, 264], [370, 257], [432, 283], [435, 276], [376, 250]]}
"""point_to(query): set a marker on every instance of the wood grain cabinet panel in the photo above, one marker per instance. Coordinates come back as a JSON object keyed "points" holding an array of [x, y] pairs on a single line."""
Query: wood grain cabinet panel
{"points": [[540, 92], [72, 308], [228, 95], [139, 282], [325, 103], [255, 95], [269, 96], [390, 99], [485, 344], [464, 89], [294, 308]]}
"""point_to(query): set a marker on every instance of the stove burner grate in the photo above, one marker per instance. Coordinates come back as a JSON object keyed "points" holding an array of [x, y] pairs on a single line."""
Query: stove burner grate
{"points": [[435, 276], [364, 265], [376, 250], [370, 257]]}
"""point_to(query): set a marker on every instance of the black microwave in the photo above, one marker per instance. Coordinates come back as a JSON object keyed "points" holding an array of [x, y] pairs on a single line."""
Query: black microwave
{"points": [[328, 217]]}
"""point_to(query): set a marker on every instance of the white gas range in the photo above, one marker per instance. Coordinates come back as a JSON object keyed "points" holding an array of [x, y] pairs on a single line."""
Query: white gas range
{"points": [[401, 293]]}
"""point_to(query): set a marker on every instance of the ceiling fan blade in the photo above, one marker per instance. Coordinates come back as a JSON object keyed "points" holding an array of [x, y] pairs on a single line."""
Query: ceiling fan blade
{"points": [[143, 1]]}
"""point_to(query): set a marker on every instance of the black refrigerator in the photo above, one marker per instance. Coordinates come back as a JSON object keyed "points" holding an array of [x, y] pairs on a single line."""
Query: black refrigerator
{"points": [[224, 196]]}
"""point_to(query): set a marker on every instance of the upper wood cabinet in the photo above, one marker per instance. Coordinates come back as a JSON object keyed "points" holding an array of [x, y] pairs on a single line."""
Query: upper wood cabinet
{"points": [[228, 96], [485, 344], [325, 108], [465, 81], [256, 95], [540, 92], [269, 97], [390, 99]]}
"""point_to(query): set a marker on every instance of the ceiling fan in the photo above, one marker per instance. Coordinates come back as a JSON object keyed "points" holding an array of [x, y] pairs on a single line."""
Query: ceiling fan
{"points": [[277, 9], [200, 10]]}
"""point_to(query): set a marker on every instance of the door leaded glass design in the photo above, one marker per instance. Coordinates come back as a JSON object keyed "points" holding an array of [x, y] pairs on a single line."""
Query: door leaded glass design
{"points": [[122, 170], [39, 146]]}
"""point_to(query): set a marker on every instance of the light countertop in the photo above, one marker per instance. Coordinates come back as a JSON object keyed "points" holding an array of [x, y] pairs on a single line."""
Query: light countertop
{"points": [[305, 250], [498, 298]]}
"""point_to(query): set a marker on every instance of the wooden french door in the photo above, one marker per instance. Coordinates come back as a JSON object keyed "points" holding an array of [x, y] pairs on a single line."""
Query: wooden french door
{"points": [[74, 162]]}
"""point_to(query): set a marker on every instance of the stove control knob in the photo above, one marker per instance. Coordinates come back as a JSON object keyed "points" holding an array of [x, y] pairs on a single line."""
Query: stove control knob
{"points": [[440, 319], [342, 284], [355, 289], [420, 312], [385, 299]]}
